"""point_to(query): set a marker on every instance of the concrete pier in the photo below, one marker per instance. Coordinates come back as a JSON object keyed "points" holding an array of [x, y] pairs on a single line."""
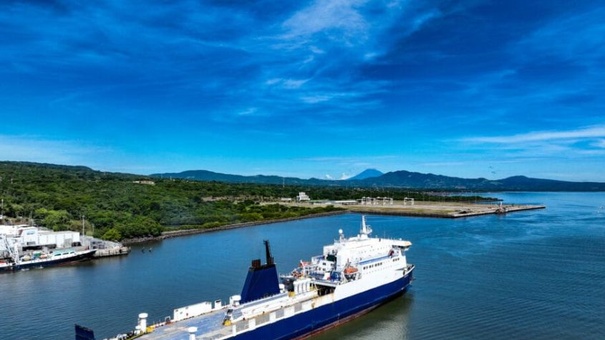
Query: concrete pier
{"points": [[105, 248], [442, 209], [116, 251]]}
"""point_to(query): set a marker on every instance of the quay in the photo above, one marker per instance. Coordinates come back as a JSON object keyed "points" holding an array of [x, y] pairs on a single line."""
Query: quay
{"points": [[117, 251], [426, 208], [441, 209], [105, 248]]}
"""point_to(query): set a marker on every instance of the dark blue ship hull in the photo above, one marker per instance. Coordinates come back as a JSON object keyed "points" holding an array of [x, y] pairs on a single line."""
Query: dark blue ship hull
{"points": [[84, 256], [318, 319]]}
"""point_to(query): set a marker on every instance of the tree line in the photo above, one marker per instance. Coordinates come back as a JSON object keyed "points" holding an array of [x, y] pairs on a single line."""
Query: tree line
{"points": [[117, 206]]}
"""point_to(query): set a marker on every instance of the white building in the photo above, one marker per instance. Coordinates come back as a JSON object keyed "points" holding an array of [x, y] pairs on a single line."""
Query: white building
{"points": [[302, 197], [33, 237]]}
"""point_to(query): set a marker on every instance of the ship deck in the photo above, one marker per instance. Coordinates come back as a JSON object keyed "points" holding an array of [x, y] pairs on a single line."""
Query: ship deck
{"points": [[209, 326]]}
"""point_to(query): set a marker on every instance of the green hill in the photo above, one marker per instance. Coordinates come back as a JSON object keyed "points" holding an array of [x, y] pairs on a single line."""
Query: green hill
{"points": [[118, 206]]}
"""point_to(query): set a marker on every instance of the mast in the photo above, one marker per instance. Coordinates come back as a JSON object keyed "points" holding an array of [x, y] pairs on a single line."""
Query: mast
{"points": [[16, 253], [366, 230], [270, 259]]}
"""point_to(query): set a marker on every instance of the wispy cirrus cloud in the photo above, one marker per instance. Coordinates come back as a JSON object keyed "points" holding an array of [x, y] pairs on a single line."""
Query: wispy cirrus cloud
{"points": [[305, 80], [600, 143], [340, 16], [590, 133], [566, 38]]}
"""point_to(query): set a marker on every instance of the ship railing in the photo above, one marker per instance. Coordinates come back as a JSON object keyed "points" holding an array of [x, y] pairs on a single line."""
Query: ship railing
{"points": [[263, 305], [402, 244], [309, 269], [375, 259], [409, 268], [258, 320]]}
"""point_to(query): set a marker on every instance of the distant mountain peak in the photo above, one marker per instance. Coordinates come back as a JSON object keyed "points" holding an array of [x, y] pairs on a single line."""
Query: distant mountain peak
{"points": [[368, 173], [400, 179]]}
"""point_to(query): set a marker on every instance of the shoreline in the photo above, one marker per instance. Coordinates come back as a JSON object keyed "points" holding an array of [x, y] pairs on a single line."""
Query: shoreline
{"points": [[419, 209], [178, 233]]}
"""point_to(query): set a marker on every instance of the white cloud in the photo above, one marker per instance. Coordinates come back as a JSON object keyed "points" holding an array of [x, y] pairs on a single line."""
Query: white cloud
{"points": [[294, 83], [289, 84], [248, 112], [316, 99], [345, 176], [537, 136], [273, 81], [599, 143], [568, 37], [338, 15]]}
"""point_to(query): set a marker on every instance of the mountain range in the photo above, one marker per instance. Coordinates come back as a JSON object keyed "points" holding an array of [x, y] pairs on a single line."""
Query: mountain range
{"points": [[368, 173], [401, 179]]}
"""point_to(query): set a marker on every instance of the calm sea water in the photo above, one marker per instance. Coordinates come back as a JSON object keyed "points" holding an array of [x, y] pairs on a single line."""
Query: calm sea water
{"points": [[526, 275]]}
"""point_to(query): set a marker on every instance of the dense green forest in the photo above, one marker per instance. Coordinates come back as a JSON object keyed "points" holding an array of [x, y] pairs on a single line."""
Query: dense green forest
{"points": [[123, 206]]}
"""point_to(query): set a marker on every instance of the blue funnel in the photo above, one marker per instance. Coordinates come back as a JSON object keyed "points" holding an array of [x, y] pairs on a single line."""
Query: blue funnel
{"points": [[262, 280]]}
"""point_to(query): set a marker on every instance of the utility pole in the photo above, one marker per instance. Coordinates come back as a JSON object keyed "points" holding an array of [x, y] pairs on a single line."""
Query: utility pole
{"points": [[82, 224]]}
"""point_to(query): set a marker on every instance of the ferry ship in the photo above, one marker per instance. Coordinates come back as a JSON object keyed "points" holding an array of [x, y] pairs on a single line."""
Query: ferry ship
{"points": [[13, 258], [352, 276], [41, 260]]}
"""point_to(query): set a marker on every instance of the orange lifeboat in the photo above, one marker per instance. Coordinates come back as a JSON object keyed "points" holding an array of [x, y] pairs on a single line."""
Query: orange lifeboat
{"points": [[350, 270]]}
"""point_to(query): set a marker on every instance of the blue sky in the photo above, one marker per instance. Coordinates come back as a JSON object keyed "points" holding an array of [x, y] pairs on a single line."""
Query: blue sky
{"points": [[319, 89]]}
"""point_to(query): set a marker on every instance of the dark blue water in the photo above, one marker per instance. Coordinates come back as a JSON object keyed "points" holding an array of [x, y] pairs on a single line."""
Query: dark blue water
{"points": [[536, 275]]}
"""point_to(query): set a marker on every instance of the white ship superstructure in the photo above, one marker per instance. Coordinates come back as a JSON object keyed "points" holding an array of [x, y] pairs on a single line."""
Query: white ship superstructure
{"points": [[356, 264]]}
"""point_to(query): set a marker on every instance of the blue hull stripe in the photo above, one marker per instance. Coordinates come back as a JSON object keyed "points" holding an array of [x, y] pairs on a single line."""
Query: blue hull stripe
{"points": [[317, 319]]}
